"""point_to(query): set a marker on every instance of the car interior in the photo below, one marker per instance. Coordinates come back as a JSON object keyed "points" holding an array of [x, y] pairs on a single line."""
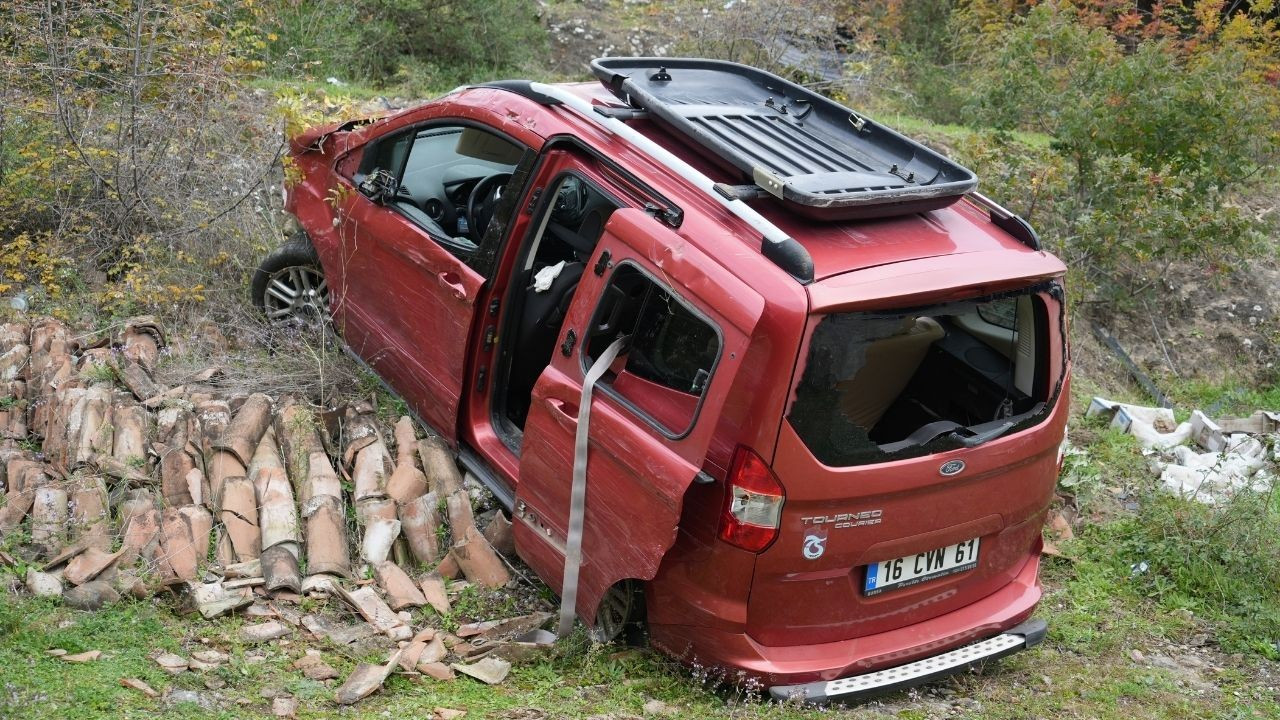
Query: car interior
{"points": [[545, 284], [887, 382], [450, 179]]}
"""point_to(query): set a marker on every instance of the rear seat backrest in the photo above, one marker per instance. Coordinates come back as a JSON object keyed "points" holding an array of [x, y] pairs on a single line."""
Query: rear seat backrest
{"points": [[890, 364]]}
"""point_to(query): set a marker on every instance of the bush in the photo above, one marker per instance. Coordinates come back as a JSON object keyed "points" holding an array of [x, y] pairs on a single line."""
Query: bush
{"points": [[426, 43]]}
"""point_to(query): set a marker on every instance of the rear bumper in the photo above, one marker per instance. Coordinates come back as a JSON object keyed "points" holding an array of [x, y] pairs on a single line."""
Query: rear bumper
{"points": [[858, 687], [825, 662]]}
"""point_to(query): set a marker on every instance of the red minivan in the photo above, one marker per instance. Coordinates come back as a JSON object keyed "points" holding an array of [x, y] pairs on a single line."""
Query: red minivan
{"points": [[739, 362]]}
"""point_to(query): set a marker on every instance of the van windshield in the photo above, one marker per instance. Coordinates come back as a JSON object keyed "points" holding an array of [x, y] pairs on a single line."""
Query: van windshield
{"points": [[886, 384]]}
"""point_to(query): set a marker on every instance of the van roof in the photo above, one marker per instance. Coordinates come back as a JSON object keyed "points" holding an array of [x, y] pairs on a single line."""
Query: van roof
{"points": [[844, 245]]}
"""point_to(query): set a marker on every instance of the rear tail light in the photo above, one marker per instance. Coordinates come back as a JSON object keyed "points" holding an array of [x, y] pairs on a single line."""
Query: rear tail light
{"points": [[752, 503]]}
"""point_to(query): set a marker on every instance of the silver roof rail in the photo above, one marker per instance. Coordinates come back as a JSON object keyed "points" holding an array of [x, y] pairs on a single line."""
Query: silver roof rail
{"points": [[777, 246]]}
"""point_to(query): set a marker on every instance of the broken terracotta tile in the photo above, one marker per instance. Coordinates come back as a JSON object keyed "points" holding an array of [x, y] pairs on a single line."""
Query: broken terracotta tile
{"points": [[87, 565], [499, 534], [365, 680], [401, 592], [434, 651], [372, 468], [410, 653], [433, 590], [490, 671], [251, 568], [213, 599], [280, 570], [437, 670], [240, 518], [419, 520], [247, 428], [378, 537], [326, 536], [140, 686]]}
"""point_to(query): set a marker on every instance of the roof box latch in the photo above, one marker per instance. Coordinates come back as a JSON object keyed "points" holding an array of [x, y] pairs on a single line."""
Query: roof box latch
{"points": [[661, 76]]}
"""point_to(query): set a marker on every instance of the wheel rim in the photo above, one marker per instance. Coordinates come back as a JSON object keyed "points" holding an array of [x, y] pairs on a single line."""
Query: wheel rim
{"points": [[614, 612], [297, 294]]}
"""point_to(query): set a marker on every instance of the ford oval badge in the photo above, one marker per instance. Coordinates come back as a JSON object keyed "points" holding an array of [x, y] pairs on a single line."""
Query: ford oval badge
{"points": [[951, 467]]}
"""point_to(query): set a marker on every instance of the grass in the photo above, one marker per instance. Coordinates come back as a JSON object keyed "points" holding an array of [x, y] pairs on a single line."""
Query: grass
{"points": [[1083, 670]]}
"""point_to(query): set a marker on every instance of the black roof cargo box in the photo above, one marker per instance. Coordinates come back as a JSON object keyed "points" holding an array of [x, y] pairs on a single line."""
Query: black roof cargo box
{"points": [[825, 160]]}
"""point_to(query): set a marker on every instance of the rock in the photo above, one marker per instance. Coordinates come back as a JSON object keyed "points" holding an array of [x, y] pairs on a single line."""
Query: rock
{"points": [[179, 697], [213, 682], [489, 670], [91, 595], [365, 680], [43, 584], [284, 706], [172, 664], [264, 632], [657, 707], [442, 713], [83, 657], [1137, 655], [140, 686], [315, 668]]}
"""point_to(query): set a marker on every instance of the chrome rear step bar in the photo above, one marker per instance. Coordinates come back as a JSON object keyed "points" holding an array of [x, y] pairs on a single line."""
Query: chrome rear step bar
{"points": [[859, 687]]}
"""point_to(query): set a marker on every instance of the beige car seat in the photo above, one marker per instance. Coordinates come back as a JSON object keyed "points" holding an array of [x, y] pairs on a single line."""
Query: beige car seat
{"points": [[890, 364]]}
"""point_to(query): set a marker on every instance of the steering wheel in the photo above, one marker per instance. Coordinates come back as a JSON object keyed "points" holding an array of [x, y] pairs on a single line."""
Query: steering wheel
{"points": [[484, 197]]}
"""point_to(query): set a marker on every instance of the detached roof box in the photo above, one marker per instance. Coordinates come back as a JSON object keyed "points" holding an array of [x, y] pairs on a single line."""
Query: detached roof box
{"points": [[825, 160]]}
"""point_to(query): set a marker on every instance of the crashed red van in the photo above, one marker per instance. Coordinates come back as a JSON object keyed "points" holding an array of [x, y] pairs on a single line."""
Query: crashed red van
{"points": [[740, 362]]}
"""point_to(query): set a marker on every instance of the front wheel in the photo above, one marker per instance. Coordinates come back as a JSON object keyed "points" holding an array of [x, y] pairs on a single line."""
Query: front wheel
{"points": [[289, 286]]}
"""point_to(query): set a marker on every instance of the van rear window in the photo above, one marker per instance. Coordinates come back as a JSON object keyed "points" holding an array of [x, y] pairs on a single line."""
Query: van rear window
{"points": [[881, 385]]}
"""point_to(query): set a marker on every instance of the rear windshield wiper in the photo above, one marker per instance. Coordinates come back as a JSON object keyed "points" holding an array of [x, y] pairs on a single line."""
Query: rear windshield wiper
{"points": [[976, 434], [979, 438]]}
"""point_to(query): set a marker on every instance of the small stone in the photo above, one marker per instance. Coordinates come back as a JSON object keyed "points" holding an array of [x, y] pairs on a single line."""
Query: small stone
{"points": [[441, 713], [90, 596], [55, 652], [178, 697], [83, 657], [284, 706], [1137, 655], [315, 668], [264, 632], [657, 707], [213, 682], [213, 657], [43, 584]]}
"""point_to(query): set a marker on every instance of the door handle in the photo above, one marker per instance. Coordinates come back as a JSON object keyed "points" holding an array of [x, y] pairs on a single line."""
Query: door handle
{"points": [[452, 282], [564, 413]]}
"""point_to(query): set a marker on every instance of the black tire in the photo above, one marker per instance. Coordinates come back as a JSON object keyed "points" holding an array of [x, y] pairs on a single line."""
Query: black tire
{"points": [[295, 267], [627, 625]]}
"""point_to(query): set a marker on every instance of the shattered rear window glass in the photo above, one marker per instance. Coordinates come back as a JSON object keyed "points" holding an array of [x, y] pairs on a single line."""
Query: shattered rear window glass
{"points": [[878, 385]]}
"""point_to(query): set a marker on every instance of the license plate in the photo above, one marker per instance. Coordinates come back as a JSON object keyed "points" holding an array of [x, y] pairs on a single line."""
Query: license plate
{"points": [[915, 569]]}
